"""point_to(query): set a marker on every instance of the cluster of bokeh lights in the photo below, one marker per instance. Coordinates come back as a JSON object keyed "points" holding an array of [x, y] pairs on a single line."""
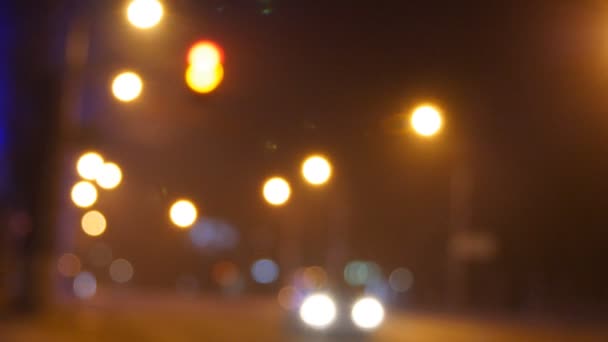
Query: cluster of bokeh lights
{"points": [[92, 167], [205, 69], [204, 74]]}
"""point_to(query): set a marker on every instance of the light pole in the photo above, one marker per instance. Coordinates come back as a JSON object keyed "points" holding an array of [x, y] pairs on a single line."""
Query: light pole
{"points": [[427, 121], [276, 192]]}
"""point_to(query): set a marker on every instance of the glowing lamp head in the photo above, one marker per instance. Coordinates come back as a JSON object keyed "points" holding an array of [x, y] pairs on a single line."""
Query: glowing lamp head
{"points": [[316, 170], [367, 313], [426, 120], [318, 311], [183, 214], [204, 81], [276, 191], [145, 14], [127, 86], [205, 55]]}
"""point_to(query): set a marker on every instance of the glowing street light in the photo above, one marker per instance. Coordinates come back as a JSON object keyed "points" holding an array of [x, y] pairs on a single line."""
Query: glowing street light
{"points": [[202, 80], [276, 191], [88, 165], [145, 14], [205, 55], [316, 170], [109, 176], [84, 194], [426, 120], [93, 223], [183, 213], [127, 86]]}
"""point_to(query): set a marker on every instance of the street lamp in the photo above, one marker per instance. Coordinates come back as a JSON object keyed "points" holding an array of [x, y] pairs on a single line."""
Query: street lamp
{"points": [[145, 14], [203, 80], [426, 120], [205, 70], [276, 191], [205, 55], [183, 213], [127, 86], [316, 170]]}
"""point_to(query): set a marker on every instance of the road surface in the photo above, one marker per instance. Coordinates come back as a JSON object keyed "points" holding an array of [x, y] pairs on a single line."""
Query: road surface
{"points": [[156, 318]]}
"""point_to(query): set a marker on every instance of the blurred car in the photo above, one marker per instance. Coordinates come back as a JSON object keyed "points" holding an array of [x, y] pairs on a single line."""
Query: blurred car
{"points": [[337, 311]]}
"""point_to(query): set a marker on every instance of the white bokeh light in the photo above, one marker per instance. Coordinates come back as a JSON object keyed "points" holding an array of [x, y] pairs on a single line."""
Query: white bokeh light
{"points": [[109, 176], [316, 170], [426, 120], [145, 14], [127, 86], [183, 213], [85, 285], [84, 194], [367, 313], [318, 311], [276, 191], [88, 165]]}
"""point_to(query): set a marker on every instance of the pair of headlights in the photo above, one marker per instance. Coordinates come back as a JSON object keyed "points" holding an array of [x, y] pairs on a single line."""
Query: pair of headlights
{"points": [[319, 311]]}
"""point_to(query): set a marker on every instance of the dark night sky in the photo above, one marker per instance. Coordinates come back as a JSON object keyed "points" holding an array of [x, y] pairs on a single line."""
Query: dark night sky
{"points": [[522, 85]]}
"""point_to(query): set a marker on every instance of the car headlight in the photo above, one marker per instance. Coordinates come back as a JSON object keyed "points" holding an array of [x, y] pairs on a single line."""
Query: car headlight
{"points": [[367, 313], [318, 311]]}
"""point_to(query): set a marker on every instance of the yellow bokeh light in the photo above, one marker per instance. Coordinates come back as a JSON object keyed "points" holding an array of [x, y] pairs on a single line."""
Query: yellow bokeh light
{"points": [[109, 176], [426, 120], [89, 164], [205, 55], [183, 213], [127, 86], [93, 223], [203, 80], [84, 194], [316, 170], [276, 191], [145, 14]]}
